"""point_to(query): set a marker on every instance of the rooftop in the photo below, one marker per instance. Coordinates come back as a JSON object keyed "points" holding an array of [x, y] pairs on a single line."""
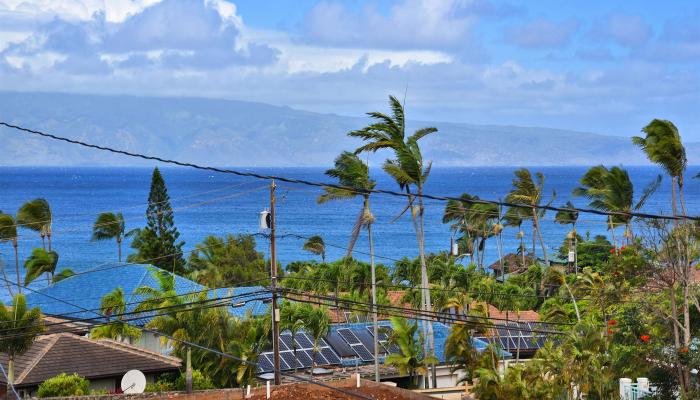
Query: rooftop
{"points": [[51, 355], [70, 297]]}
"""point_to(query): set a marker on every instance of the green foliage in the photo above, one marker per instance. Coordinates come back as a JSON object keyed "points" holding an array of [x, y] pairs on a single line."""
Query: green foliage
{"points": [[110, 226], [225, 262], [590, 253], [460, 352], [65, 273], [410, 359], [157, 243], [25, 325], [64, 385], [159, 386], [199, 381], [40, 262], [36, 215], [111, 304], [315, 245]]}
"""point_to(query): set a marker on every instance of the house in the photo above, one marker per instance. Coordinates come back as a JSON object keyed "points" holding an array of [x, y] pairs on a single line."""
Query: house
{"points": [[511, 263], [103, 362], [80, 296]]}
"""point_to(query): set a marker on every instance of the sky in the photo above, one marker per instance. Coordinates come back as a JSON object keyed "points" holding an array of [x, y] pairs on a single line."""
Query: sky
{"points": [[597, 65]]}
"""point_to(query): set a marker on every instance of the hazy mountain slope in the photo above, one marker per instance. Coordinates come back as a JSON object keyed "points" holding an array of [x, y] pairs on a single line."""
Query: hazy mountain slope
{"points": [[222, 132]]}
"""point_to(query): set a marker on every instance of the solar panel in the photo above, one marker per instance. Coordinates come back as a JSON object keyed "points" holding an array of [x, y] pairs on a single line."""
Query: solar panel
{"points": [[329, 355], [321, 359], [287, 340], [289, 358], [363, 353], [303, 340], [304, 358], [264, 364], [349, 336]]}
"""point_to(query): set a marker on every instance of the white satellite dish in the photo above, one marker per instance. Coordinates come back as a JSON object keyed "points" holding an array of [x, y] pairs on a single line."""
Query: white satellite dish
{"points": [[133, 381]]}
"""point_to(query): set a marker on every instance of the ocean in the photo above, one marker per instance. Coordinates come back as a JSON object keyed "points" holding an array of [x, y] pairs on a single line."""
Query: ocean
{"points": [[207, 203]]}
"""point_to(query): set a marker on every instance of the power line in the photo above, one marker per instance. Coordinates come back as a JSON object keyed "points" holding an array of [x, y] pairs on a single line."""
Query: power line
{"points": [[222, 354], [346, 188]]}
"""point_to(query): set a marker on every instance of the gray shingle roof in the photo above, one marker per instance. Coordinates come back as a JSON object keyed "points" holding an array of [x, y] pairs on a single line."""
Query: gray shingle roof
{"points": [[54, 354]]}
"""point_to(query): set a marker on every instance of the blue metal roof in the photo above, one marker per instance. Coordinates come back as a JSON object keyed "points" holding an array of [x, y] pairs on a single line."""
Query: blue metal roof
{"points": [[85, 290]]}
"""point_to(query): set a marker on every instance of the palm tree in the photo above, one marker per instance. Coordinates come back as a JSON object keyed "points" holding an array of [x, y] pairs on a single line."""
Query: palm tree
{"points": [[40, 262], [566, 217], [36, 215], [528, 192], [65, 273], [409, 359], [353, 173], [110, 226], [164, 295], [114, 303], [410, 171], [247, 349], [8, 233], [185, 324], [460, 352], [611, 190], [25, 324], [663, 146], [514, 217], [317, 324], [316, 246]]}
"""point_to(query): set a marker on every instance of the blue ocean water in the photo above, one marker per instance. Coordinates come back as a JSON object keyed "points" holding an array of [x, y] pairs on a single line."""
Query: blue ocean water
{"points": [[215, 204]]}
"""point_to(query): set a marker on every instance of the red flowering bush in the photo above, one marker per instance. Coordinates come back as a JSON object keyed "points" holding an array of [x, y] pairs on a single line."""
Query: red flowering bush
{"points": [[645, 338], [612, 322], [610, 331], [683, 350]]}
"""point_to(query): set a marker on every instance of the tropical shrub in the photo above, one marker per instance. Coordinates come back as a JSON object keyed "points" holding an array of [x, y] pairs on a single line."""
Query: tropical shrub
{"points": [[64, 385], [199, 381]]}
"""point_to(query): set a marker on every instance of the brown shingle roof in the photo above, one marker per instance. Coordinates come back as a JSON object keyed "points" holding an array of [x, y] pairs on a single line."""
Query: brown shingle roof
{"points": [[53, 354]]}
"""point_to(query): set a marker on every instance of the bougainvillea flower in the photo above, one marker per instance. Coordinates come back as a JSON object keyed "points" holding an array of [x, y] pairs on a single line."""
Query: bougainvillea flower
{"points": [[645, 338], [610, 331], [612, 251], [612, 322]]}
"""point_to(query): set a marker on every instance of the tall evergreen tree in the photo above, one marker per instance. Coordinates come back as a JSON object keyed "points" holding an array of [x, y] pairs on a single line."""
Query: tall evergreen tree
{"points": [[157, 243]]}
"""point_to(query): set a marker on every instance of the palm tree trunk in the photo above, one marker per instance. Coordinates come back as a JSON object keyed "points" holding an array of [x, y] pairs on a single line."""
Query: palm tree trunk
{"points": [[374, 297], [43, 238], [535, 220], [48, 235], [119, 247], [11, 371], [612, 232], [188, 371], [674, 209], [573, 299], [680, 194], [19, 279], [424, 267]]}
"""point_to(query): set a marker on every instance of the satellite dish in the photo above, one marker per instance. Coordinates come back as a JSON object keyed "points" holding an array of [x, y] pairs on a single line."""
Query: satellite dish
{"points": [[133, 381]]}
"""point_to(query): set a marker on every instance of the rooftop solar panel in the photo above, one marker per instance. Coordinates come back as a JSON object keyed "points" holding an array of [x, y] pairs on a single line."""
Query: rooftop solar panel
{"points": [[349, 336], [304, 358], [339, 345], [329, 355], [363, 353], [289, 358], [287, 341], [265, 364], [303, 340]]}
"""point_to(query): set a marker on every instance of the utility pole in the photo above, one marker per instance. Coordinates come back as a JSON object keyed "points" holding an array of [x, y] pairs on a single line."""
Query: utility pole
{"points": [[273, 284]]}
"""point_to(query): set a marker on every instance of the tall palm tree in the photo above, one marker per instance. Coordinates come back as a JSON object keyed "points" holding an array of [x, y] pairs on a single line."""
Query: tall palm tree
{"points": [[25, 324], [8, 233], [40, 262], [409, 359], [528, 192], [411, 172], [566, 217], [36, 215], [114, 303], [612, 190], [315, 245], [248, 348], [110, 226], [353, 173], [164, 295], [662, 145]]}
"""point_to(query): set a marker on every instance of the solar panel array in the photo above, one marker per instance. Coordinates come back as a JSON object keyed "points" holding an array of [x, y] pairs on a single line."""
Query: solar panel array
{"points": [[518, 335], [304, 354], [360, 348]]}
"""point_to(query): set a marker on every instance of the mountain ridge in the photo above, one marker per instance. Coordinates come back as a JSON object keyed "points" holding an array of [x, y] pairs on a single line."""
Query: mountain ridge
{"points": [[244, 133]]}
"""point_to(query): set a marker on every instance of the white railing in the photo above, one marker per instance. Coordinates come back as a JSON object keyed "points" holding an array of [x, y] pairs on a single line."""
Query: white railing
{"points": [[634, 391]]}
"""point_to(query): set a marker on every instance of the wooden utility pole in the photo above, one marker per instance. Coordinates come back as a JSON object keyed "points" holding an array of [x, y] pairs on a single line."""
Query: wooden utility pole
{"points": [[273, 285]]}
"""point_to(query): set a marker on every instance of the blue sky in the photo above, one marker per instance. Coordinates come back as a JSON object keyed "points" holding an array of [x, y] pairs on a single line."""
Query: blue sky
{"points": [[599, 66]]}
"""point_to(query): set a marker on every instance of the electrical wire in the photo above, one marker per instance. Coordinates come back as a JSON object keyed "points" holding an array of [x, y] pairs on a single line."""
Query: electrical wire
{"points": [[408, 196]]}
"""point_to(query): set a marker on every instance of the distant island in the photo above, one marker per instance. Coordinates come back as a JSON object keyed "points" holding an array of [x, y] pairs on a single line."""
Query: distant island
{"points": [[239, 133]]}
